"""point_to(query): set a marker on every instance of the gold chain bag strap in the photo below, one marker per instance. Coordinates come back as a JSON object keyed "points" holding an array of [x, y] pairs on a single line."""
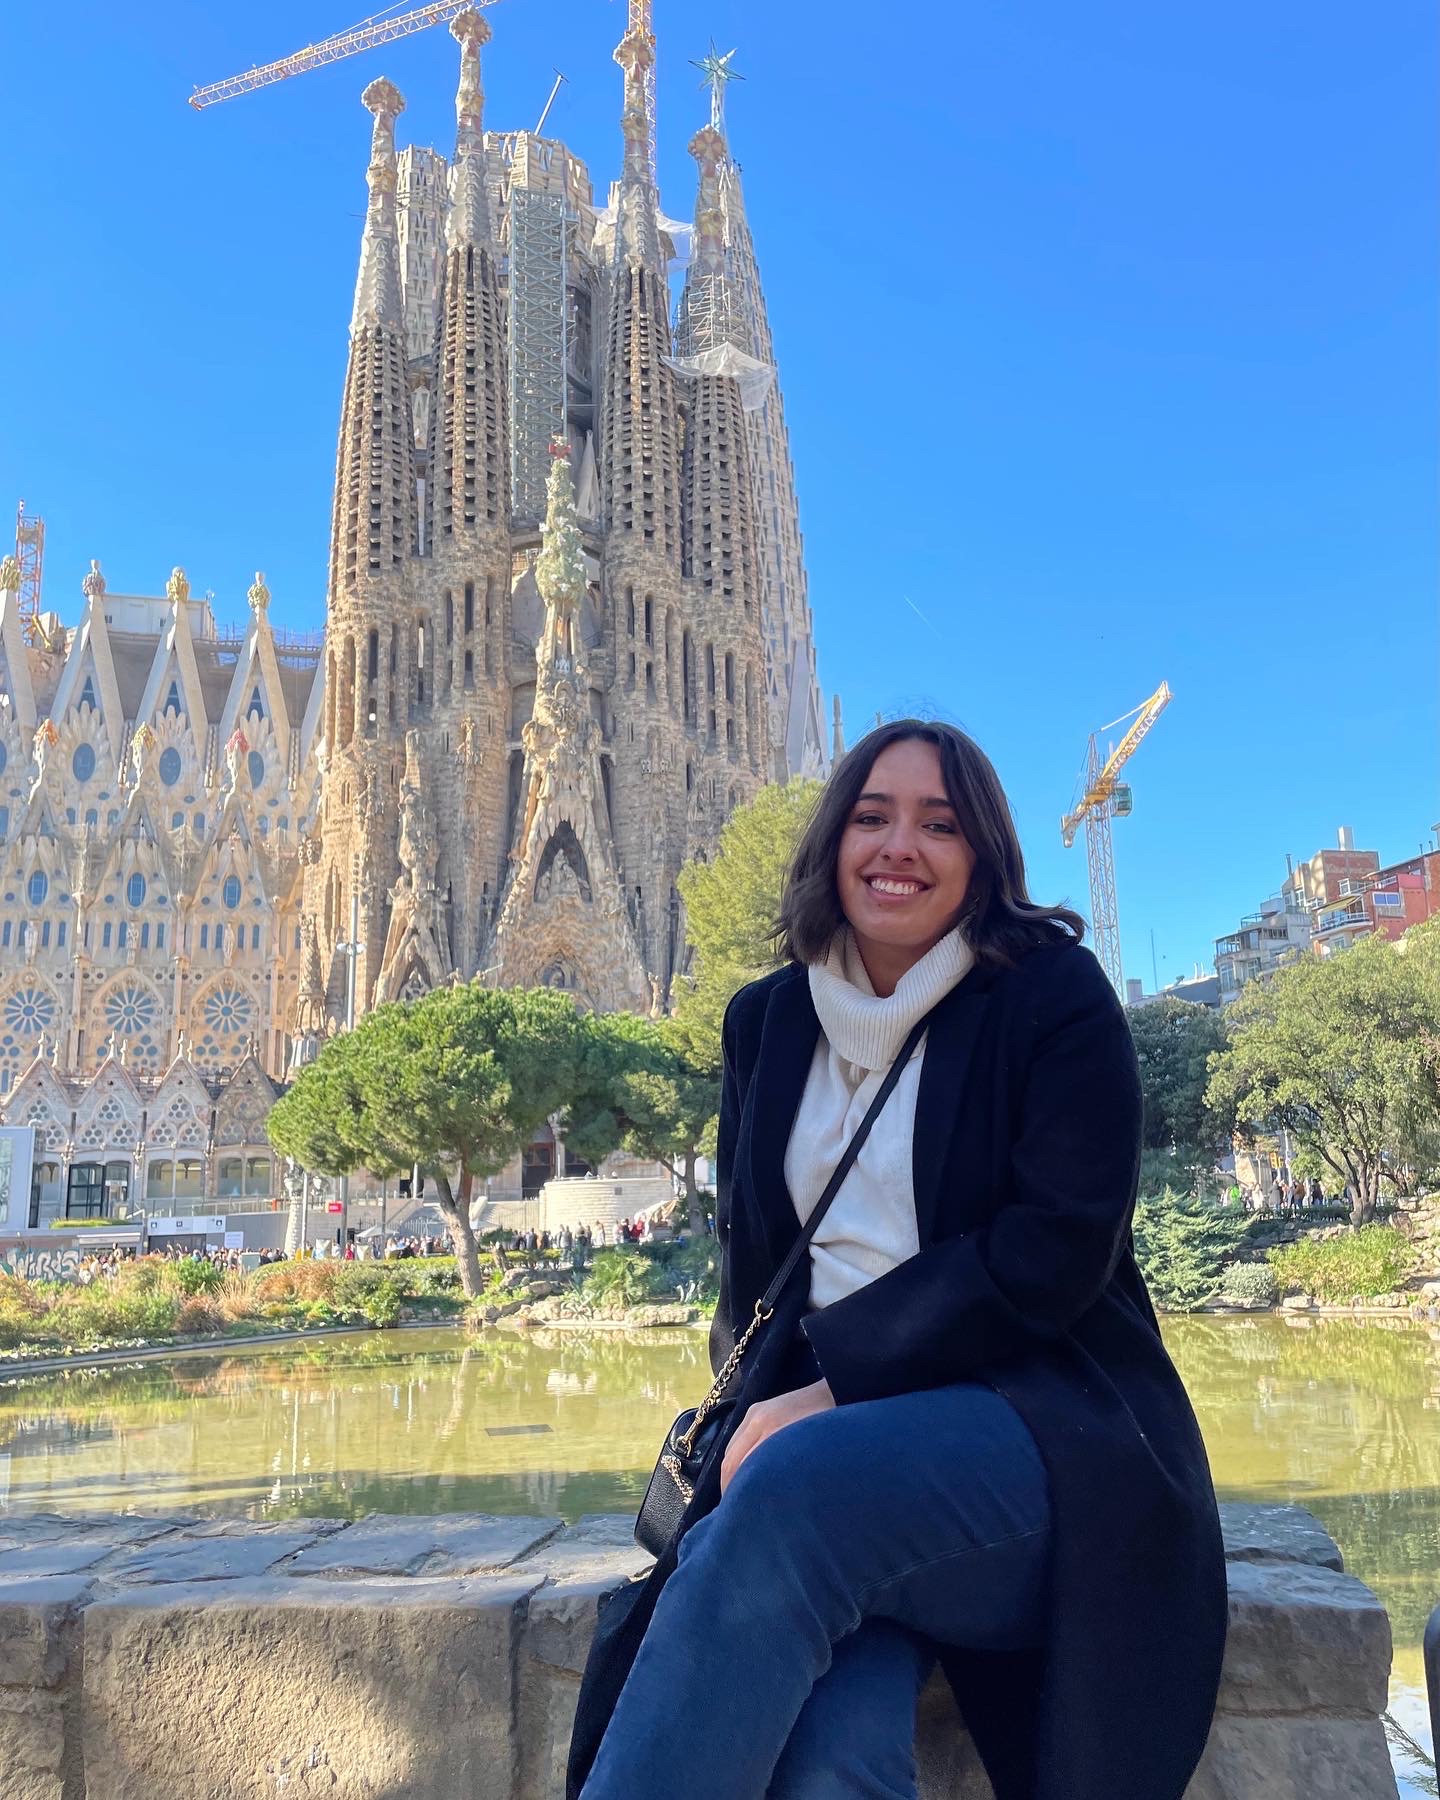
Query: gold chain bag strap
{"points": [[698, 1430]]}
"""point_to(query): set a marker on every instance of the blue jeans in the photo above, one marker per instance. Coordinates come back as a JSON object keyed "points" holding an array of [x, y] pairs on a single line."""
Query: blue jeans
{"points": [[787, 1651]]}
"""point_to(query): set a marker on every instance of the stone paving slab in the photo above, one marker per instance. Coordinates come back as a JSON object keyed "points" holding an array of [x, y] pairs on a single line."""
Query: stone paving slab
{"points": [[222, 1528], [401, 1544], [1287, 1533], [25, 1529], [230, 1558]]}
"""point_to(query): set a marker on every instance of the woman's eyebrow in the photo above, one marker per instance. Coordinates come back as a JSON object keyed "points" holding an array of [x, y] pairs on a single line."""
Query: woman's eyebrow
{"points": [[889, 800]]}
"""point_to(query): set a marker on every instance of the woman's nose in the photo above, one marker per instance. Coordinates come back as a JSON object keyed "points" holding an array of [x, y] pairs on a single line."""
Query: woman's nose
{"points": [[899, 845]]}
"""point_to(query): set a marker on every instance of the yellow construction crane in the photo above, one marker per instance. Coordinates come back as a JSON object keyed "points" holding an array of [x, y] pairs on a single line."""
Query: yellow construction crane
{"points": [[380, 28], [1106, 797]]}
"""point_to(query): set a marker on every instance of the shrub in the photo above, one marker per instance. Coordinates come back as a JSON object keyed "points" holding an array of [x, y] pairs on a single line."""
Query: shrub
{"points": [[292, 1281], [692, 1268], [110, 1309], [1248, 1284], [22, 1307], [381, 1306], [1182, 1244], [198, 1316], [1376, 1259], [621, 1278], [196, 1277], [234, 1298]]}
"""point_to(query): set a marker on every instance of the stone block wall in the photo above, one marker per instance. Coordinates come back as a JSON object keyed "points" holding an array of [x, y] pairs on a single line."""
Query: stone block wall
{"points": [[438, 1659]]}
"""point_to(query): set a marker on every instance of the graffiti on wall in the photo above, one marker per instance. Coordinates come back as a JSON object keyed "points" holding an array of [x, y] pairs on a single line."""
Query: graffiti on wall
{"points": [[40, 1265]]}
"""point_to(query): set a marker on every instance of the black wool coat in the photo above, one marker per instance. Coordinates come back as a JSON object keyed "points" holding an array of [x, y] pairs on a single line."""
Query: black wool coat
{"points": [[1027, 1129]]}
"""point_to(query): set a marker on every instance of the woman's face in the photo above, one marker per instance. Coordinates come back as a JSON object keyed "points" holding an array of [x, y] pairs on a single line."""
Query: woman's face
{"points": [[904, 864]]}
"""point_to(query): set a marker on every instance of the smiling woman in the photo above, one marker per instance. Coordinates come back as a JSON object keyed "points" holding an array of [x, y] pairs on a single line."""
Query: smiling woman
{"points": [[958, 1436], [922, 809]]}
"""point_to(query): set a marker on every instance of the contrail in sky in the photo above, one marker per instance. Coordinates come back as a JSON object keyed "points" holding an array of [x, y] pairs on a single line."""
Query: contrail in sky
{"points": [[917, 612]]}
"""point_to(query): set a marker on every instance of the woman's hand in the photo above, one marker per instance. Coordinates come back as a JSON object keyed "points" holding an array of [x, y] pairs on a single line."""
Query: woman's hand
{"points": [[767, 1417]]}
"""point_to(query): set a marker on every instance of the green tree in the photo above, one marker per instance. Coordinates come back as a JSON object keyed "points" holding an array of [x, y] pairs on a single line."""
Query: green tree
{"points": [[1182, 1245], [1174, 1041], [1342, 1051], [731, 905], [640, 1091], [456, 1082]]}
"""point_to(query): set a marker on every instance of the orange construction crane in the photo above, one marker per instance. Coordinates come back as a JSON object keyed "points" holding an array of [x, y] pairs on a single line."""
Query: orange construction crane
{"points": [[1105, 797], [379, 28], [30, 554]]}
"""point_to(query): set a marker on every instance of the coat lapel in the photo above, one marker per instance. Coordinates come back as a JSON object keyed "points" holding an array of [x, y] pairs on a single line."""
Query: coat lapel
{"points": [[949, 1047], [787, 1045]]}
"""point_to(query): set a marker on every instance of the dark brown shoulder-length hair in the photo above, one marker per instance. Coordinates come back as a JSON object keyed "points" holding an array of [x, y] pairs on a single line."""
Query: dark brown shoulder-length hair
{"points": [[999, 918]]}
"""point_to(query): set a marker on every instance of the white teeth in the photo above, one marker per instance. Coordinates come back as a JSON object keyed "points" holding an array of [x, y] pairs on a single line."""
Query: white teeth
{"points": [[882, 886]]}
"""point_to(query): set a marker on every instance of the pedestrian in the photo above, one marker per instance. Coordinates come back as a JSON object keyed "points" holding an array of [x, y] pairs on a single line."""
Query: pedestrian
{"points": [[1317, 1193], [958, 1432]]}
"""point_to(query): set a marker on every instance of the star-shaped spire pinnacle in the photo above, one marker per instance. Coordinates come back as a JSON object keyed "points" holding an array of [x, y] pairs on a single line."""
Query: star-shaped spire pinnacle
{"points": [[716, 74]]}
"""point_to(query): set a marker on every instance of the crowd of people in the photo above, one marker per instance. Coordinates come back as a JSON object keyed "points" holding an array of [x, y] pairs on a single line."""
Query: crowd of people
{"points": [[394, 1249], [598, 1236], [578, 1243], [100, 1263], [1281, 1193]]}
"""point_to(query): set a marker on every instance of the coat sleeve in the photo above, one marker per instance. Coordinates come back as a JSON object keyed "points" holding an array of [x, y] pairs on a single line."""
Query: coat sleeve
{"points": [[722, 1328], [982, 1299]]}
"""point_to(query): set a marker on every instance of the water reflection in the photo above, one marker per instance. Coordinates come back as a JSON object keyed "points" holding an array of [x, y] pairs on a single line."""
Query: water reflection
{"points": [[416, 1422], [1335, 1414]]}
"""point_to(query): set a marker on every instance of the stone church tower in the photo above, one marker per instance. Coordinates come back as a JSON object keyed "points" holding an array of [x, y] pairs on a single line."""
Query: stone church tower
{"points": [[563, 639]]}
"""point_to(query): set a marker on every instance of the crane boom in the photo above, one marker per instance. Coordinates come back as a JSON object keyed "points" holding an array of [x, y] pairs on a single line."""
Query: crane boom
{"points": [[1102, 797], [364, 36], [1100, 780]]}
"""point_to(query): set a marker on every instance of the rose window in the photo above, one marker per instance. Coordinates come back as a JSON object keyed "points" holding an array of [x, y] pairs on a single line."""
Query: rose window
{"points": [[29, 1012], [131, 1009], [228, 1009]]}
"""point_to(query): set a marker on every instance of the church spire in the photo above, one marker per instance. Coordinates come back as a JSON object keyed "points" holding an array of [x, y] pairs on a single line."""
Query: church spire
{"points": [[469, 413], [373, 529], [469, 221], [639, 417], [637, 223], [377, 288], [712, 311], [723, 304]]}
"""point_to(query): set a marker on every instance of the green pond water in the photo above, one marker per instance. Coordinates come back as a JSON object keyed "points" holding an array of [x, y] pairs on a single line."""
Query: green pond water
{"points": [[1341, 1416]]}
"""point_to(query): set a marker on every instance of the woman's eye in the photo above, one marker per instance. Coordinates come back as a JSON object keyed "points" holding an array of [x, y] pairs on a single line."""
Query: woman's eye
{"points": [[942, 825], [867, 819]]}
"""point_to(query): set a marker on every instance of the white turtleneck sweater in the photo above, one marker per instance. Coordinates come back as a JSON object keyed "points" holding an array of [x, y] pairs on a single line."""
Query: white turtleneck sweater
{"points": [[870, 1226]]}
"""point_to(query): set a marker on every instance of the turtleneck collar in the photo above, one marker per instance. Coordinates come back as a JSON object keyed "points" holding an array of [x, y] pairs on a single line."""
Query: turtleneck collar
{"points": [[865, 1028]]}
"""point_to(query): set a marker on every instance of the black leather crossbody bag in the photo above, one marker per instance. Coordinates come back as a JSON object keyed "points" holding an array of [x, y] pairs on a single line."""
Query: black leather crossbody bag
{"points": [[693, 1437]]}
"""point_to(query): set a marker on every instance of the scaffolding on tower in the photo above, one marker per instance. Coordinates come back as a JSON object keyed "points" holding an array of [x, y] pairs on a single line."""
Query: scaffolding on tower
{"points": [[539, 248]]}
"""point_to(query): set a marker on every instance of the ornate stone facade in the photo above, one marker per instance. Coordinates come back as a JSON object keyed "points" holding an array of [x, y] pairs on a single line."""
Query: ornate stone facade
{"points": [[116, 1144], [533, 700], [531, 723], [155, 780]]}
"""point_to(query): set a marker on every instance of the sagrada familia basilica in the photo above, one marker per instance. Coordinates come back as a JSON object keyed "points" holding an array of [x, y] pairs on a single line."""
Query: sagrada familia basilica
{"points": [[566, 633]]}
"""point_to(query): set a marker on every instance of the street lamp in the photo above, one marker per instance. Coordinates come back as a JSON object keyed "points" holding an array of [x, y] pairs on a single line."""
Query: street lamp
{"points": [[350, 950]]}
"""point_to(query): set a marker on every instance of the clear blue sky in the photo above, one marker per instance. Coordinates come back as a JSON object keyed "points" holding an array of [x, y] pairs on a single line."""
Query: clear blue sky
{"points": [[1107, 335]]}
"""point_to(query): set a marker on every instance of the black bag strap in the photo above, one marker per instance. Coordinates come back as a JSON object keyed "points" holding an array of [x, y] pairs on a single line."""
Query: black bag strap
{"points": [[845, 1164]]}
